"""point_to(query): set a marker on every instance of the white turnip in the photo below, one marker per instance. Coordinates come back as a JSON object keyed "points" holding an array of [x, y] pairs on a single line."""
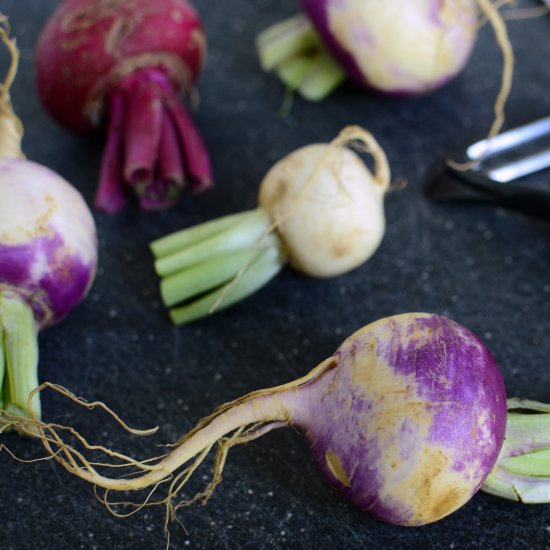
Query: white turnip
{"points": [[320, 208]]}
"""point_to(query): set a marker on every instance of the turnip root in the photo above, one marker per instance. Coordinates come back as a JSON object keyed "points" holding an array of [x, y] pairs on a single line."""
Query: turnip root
{"points": [[405, 419], [320, 208], [48, 255]]}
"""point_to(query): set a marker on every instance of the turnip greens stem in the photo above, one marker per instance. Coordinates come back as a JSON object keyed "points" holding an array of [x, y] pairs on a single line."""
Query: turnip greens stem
{"points": [[19, 352], [285, 40], [316, 83], [186, 237], [522, 471], [217, 263], [206, 275], [254, 276], [2, 367], [294, 50], [241, 235]]}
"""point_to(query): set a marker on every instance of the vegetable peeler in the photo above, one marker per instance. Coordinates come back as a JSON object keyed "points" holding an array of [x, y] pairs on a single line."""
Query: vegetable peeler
{"points": [[496, 170]]}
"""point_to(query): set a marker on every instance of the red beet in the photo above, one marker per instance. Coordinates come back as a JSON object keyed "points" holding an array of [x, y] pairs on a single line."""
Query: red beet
{"points": [[123, 64]]}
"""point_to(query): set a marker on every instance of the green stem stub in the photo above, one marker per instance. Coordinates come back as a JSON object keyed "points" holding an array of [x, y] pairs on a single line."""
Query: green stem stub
{"points": [[294, 50], [18, 357], [212, 265], [522, 471]]}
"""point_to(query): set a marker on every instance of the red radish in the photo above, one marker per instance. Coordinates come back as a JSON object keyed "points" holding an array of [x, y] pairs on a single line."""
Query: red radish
{"points": [[124, 63]]}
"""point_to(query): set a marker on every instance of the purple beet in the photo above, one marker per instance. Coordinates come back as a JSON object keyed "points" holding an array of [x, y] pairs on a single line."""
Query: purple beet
{"points": [[405, 420]]}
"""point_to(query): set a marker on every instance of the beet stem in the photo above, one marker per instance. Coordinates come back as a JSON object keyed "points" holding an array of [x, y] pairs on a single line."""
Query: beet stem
{"points": [[196, 159], [142, 132], [170, 162], [110, 195]]}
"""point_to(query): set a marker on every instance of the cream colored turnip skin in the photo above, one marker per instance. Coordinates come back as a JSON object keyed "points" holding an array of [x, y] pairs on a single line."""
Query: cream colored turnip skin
{"points": [[400, 47]]}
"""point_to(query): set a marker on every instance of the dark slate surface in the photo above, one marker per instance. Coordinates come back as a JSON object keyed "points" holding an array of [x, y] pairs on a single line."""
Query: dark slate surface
{"points": [[483, 266]]}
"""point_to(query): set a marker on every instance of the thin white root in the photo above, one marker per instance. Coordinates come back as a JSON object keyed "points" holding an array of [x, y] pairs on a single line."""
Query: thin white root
{"points": [[501, 35], [490, 11], [174, 468], [11, 128]]}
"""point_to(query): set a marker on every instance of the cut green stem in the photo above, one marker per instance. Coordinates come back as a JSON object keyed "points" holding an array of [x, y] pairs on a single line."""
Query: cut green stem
{"points": [[322, 79], [286, 40], [238, 236], [19, 352], [522, 471], [268, 262], [207, 275], [212, 265], [294, 50], [192, 235]]}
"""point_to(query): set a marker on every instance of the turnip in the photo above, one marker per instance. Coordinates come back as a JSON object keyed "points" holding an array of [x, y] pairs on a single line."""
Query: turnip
{"points": [[320, 208], [402, 47], [405, 420], [124, 63], [48, 255]]}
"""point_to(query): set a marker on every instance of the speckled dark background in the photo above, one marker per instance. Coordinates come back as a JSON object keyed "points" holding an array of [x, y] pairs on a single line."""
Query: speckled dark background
{"points": [[481, 265]]}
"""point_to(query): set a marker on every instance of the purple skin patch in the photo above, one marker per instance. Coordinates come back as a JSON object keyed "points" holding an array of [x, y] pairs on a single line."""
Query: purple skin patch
{"points": [[316, 10], [51, 280], [411, 420]]}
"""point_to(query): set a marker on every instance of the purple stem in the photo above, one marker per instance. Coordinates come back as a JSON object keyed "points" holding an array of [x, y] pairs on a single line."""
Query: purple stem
{"points": [[153, 145], [157, 196], [142, 132], [170, 161], [195, 155], [169, 179], [110, 196]]}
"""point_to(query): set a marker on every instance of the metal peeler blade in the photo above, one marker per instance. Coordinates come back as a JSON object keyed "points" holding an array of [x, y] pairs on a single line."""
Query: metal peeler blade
{"points": [[496, 165]]}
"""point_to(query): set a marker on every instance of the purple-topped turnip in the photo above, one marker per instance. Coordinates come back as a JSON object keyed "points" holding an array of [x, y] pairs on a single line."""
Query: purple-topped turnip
{"points": [[406, 420], [402, 47], [48, 254]]}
